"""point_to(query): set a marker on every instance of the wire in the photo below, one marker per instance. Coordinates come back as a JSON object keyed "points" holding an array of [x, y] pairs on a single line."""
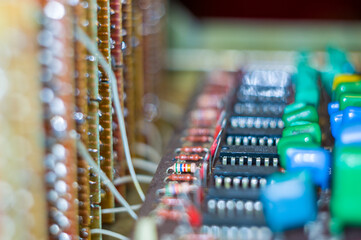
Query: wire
{"points": [[126, 179], [83, 37], [145, 165], [85, 154], [108, 233], [147, 151], [120, 209]]}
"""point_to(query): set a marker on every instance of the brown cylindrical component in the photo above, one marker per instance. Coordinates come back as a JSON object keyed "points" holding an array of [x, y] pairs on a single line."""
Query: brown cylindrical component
{"points": [[92, 117], [199, 139], [81, 112], [129, 102], [199, 131], [185, 157], [173, 215], [117, 66], [195, 149], [181, 177], [172, 201], [105, 105]]}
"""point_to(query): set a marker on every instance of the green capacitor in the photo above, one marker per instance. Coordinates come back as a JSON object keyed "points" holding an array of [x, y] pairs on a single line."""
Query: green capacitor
{"points": [[347, 100], [306, 113], [312, 128], [293, 107], [346, 194], [346, 87], [297, 123], [282, 149], [289, 140]]}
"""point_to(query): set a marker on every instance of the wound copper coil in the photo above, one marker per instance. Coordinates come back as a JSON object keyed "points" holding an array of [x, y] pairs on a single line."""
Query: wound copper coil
{"points": [[81, 112], [128, 70], [117, 66], [105, 105], [93, 117]]}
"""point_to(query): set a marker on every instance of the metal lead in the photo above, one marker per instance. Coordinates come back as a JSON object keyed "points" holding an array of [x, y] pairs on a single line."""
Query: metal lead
{"points": [[224, 160], [227, 182], [275, 162], [249, 162], [258, 161], [233, 161]]}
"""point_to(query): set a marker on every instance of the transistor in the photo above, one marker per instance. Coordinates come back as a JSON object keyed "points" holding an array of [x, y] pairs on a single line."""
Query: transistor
{"points": [[249, 155]]}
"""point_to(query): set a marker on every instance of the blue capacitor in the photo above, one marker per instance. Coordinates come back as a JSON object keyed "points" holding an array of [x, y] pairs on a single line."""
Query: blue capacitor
{"points": [[289, 200], [335, 122], [333, 107], [350, 134], [351, 114], [316, 161]]}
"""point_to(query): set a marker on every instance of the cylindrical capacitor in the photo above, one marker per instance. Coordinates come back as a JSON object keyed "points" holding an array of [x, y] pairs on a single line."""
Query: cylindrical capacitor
{"points": [[198, 139], [183, 168], [180, 177], [185, 157], [194, 149]]}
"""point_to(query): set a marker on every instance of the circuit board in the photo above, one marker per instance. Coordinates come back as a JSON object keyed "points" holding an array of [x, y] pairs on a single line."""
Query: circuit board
{"points": [[209, 184]]}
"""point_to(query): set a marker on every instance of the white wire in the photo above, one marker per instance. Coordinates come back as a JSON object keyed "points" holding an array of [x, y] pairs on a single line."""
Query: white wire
{"points": [[85, 154], [147, 151], [108, 233], [120, 209], [145, 165], [126, 179], [152, 133], [83, 37]]}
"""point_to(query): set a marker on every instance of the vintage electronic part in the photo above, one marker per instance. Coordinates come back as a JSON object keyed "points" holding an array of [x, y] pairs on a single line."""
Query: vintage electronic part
{"points": [[105, 105], [80, 116], [249, 155], [93, 119], [253, 136]]}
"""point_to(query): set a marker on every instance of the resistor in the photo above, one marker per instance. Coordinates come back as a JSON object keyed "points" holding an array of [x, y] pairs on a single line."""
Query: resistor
{"points": [[204, 114], [172, 189], [195, 149], [182, 168], [192, 214], [199, 131], [203, 123], [185, 157], [200, 139], [173, 215], [180, 178], [171, 201]]}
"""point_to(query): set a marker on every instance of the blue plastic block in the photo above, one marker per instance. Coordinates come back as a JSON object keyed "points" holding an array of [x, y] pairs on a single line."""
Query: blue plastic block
{"points": [[350, 134], [333, 107], [289, 200], [316, 161], [350, 115], [335, 122]]}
